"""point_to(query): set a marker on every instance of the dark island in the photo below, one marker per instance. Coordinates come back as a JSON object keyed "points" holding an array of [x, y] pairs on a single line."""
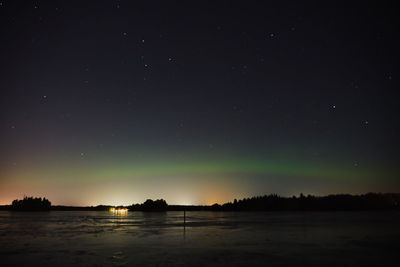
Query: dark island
{"points": [[150, 205], [31, 204]]}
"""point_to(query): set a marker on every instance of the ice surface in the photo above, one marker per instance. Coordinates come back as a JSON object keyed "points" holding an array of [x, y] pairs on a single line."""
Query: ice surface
{"points": [[79, 238]]}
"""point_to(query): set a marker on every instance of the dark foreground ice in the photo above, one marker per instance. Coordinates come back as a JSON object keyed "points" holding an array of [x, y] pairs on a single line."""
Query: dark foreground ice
{"points": [[78, 238]]}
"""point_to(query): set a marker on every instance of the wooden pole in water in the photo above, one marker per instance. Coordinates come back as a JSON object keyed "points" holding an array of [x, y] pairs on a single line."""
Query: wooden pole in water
{"points": [[184, 224]]}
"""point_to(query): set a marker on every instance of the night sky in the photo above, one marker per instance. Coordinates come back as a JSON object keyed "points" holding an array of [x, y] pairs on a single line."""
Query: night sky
{"points": [[197, 102]]}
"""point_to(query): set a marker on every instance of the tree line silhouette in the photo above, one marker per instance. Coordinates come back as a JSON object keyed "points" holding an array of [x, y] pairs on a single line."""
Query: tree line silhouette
{"points": [[370, 201], [31, 204], [273, 202], [150, 205]]}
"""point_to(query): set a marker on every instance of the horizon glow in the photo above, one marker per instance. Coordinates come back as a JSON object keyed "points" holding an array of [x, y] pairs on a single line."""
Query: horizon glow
{"points": [[182, 182]]}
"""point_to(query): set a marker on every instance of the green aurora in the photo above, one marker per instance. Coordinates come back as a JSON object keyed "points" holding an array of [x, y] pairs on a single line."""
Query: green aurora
{"points": [[231, 178]]}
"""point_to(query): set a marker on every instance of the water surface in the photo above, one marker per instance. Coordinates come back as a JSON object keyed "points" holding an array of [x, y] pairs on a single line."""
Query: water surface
{"points": [[94, 238]]}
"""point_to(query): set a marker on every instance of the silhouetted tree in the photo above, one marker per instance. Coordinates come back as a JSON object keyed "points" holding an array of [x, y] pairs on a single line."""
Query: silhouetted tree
{"points": [[151, 205], [31, 204]]}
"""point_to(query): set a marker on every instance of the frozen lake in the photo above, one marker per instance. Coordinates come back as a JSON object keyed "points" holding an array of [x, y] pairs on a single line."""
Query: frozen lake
{"points": [[94, 238]]}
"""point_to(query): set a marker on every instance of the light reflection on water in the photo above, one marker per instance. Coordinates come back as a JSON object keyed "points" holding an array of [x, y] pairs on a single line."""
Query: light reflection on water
{"points": [[35, 222]]}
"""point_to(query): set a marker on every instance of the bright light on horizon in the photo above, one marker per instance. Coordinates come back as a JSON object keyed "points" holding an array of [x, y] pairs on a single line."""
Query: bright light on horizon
{"points": [[119, 211]]}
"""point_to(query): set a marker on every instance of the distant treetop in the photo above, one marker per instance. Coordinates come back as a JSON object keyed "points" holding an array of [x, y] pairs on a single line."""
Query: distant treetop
{"points": [[31, 204], [151, 205]]}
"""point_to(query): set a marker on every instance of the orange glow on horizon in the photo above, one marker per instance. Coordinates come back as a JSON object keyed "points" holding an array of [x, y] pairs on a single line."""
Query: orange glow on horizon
{"points": [[217, 195]]}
